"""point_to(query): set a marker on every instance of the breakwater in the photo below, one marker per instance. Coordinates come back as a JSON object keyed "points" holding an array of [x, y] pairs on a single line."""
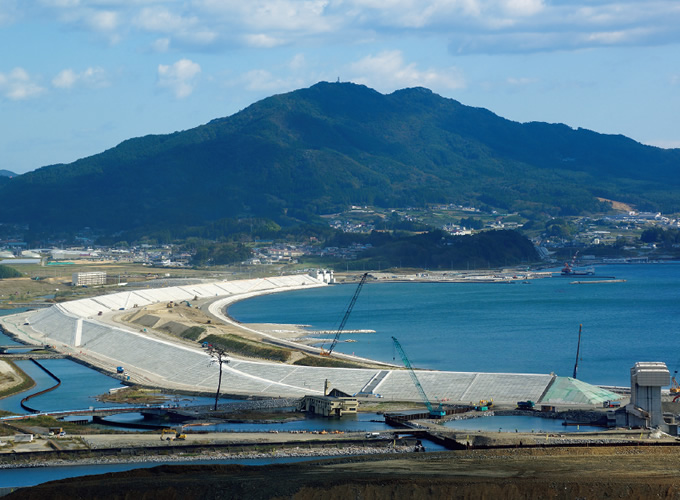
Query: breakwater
{"points": [[44, 391]]}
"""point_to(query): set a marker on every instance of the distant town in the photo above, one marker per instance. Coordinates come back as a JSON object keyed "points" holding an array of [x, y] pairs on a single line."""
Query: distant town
{"points": [[611, 237]]}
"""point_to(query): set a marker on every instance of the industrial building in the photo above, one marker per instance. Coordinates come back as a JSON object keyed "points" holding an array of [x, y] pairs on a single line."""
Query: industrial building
{"points": [[335, 404], [89, 278], [644, 409]]}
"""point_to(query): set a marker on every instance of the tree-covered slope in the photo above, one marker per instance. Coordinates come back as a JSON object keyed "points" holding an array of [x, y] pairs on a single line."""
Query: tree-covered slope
{"points": [[316, 150]]}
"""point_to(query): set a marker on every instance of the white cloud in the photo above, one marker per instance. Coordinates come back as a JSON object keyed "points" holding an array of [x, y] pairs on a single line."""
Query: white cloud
{"points": [[61, 4], [179, 78], [189, 29], [388, 71], [103, 21], [472, 26], [160, 19], [161, 45], [263, 41], [302, 16], [91, 77], [18, 85]]}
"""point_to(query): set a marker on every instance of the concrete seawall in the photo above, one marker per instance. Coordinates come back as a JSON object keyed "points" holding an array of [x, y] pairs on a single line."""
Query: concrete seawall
{"points": [[77, 329]]}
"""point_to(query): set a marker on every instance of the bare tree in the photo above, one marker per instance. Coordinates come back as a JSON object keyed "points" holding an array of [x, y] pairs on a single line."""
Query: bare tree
{"points": [[219, 357]]}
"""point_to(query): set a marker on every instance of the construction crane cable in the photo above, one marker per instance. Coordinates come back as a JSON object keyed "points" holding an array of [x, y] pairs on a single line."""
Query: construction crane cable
{"points": [[345, 317]]}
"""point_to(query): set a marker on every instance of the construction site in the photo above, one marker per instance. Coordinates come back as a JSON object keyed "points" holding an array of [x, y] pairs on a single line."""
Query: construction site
{"points": [[142, 337], [122, 330]]}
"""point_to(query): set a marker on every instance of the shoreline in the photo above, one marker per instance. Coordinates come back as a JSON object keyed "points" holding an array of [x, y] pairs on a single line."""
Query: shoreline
{"points": [[297, 452]]}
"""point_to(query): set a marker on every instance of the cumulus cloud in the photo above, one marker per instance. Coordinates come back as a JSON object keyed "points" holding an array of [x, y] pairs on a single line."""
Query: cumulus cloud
{"points": [[180, 77], [388, 71], [91, 77], [18, 85], [303, 16], [160, 19], [472, 26]]}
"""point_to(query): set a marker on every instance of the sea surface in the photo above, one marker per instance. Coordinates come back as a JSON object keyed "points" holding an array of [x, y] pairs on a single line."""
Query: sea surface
{"points": [[497, 327]]}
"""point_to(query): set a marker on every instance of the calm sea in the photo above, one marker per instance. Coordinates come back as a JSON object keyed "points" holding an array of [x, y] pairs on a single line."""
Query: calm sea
{"points": [[517, 328]]}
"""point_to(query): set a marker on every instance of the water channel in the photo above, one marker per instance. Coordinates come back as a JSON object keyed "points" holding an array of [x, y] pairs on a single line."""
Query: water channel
{"points": [[18, 478]]}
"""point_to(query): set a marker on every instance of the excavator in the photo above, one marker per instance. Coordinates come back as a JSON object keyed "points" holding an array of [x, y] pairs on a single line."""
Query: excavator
{"points": [[675, 387], [174, 434]]}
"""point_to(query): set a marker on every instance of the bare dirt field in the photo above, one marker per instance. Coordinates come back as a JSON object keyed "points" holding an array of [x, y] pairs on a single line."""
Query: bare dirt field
{"points": [[587, 473], [9, 378]]}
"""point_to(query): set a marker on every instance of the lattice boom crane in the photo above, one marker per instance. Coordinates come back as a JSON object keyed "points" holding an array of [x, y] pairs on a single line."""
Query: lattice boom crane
{"points": [[345, 317], [434, 413]]}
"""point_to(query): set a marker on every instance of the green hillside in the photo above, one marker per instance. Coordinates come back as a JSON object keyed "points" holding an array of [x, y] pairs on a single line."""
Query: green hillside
{"points": [[315, 151]]}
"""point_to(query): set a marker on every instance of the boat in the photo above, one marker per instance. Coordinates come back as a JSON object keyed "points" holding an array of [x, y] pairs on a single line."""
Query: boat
{"points": [[567, 270]]}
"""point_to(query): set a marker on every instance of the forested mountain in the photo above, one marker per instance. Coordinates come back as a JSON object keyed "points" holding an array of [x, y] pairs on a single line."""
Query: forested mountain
{"points": [[318, 150], [7, 173]]}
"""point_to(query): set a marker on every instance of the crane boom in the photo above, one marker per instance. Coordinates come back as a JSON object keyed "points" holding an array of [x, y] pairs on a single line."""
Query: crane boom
{"points": [[578, 349], [345, 317], [439, 412]]}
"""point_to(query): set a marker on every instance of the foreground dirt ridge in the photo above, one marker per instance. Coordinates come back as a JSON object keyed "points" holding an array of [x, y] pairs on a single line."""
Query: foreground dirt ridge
{"points": [[509, 474]]}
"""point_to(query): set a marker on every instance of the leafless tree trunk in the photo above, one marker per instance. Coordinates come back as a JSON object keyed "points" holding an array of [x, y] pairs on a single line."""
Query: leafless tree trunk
{"points": [[219, 357]]}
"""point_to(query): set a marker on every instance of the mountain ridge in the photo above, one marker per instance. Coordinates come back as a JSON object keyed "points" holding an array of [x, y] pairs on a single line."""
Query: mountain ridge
{"points": [[311, 151]]}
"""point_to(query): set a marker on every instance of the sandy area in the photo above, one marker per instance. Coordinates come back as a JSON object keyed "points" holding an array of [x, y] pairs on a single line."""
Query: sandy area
{"points": [[8, 376]]}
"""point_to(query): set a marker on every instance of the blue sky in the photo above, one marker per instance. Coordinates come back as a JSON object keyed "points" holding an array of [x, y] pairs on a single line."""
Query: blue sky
{"points": [[78, 77]]}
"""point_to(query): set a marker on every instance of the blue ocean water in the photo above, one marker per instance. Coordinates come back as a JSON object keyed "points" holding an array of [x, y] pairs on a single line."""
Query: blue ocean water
{"points": [[501, 328], [516, 423]]}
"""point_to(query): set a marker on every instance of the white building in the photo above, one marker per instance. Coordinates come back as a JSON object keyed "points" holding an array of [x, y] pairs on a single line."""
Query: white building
{"points": [[89, 278]]}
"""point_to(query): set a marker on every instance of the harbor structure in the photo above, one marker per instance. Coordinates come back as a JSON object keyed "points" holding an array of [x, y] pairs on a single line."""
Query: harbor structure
{"points": [[644, 410]]}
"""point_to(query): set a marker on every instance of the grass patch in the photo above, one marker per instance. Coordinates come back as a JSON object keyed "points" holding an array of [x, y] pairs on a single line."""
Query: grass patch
{"points": [[135, 395], [26, 382], [193, 333], [248, 348], [326, 362]]}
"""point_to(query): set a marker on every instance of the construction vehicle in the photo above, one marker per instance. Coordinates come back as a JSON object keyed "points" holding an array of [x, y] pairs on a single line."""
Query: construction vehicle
{"points": [[174, 434], [344, 319], [484, 404], [525, 405], [438, 412], [675, 387]]}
